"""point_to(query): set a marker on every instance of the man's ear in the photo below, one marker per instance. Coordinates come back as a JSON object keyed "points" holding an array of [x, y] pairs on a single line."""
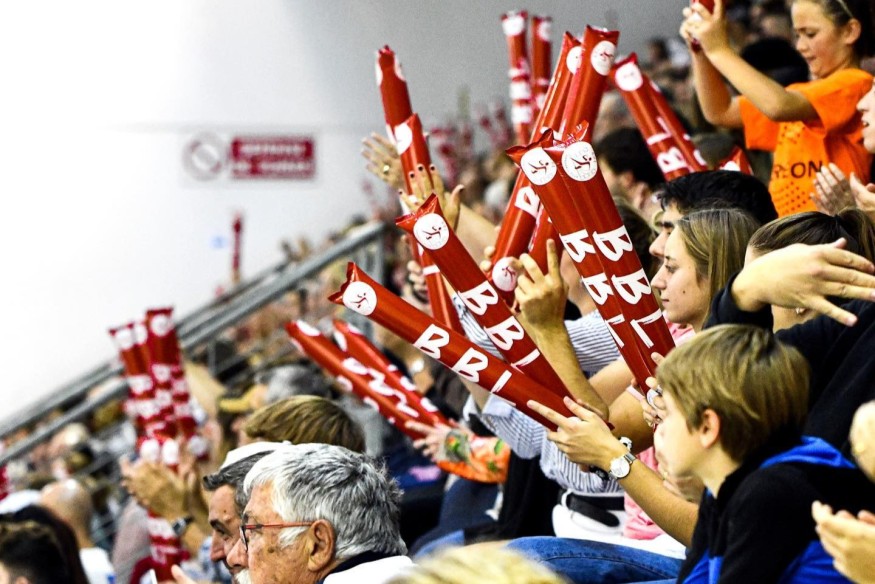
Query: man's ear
{"points": [[626, 179], [709, 429], [321, 545]]}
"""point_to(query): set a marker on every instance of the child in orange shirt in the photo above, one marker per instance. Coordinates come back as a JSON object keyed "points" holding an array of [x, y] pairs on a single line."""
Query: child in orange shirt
{"points": [[806, 125]]}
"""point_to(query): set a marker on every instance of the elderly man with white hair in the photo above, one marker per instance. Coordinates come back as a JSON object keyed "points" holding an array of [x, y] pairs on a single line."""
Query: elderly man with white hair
{"points": [[320, 513]]}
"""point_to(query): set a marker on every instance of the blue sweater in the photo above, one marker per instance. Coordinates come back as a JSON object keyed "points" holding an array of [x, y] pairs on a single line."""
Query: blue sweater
{"points": [[759, 528]]}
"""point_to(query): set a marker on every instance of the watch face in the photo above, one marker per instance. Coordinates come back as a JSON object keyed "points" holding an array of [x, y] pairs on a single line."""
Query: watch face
{"points": [[620, 467]]}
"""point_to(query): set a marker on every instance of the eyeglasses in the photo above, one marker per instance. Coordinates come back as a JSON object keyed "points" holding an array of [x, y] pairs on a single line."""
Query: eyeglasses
{"points": [[255, 526]]}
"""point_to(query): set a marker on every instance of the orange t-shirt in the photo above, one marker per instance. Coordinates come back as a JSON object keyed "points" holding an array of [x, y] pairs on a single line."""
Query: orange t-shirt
{"points": [[801, 148]]}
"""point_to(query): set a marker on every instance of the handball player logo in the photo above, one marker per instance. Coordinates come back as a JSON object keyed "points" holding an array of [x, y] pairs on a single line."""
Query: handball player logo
{"points": [[160, 325], [628, 77], [360, 297], [602, 58], [513, 24], [579, 161], [544, 29], [431, 231], [125, 338], [503, 276], [572, 61], [538, 167], [403, 137], [140, 333]]}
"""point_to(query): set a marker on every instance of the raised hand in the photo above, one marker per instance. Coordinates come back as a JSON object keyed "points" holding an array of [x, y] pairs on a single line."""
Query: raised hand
{"points": [[832, 190], [804, 276], [864, 196], [383, 160], [541, 297]]}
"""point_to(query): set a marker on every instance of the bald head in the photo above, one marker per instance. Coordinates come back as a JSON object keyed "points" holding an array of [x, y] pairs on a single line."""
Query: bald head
{"points": [[70, 501]]}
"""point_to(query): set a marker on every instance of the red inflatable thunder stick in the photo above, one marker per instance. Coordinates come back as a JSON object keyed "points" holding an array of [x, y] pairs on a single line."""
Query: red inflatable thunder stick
{"points": [[361, 294], [430, 229], [405, 131], [544, 231], [542, 48], [140, 404], [668, 117], [355, 378], [666, 149], [567, 177], [598, 51], [514, 26], [613, 246], [737, 161], [359, 347], [167, 360], [523, 207]]}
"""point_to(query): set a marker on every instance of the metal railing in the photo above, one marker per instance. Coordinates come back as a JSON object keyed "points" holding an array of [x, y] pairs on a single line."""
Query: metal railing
{"points": [[364, 244]]}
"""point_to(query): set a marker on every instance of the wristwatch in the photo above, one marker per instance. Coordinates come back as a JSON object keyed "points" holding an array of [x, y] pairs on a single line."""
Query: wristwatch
{"points": [[622, 466], [180, 525]]}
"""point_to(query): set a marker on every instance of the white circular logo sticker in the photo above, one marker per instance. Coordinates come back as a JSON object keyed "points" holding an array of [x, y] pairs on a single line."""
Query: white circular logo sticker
{"points": [[602, 57], [307, 329], [125, 338], [579, 161], [140, 333], [572, 61], [431, 231], [398, 71], [513, 24], [731, 165], [538, 166], [160, 325], [360, 298], [544, 29], [503, 276], [628, 77], [403, 138]]}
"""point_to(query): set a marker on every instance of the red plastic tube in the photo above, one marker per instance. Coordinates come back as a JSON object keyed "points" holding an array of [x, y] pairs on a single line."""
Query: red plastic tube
{"points": [[355, 377], [624, 274], [430, 229], [670, 119], [359, 347], [635, 88], [514, 25], [542, 47], [361, 294], [598, 50]]}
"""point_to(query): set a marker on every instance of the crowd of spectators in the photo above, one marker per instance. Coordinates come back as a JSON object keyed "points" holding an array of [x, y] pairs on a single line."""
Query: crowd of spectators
{"points": [[751, 458]]}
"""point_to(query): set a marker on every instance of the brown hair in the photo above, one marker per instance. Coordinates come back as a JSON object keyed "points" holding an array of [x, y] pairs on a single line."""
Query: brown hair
{"points": [[305, 419], [813, 228], [840, 13], [716, 240], [755, 384]]}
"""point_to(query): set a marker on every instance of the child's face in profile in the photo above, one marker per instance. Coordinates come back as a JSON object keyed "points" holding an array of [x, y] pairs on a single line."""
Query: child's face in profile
{"points": [[678, 447]]}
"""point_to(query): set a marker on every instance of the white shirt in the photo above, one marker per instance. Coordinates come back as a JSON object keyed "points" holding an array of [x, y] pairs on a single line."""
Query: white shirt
{"points": [[97, 565]]}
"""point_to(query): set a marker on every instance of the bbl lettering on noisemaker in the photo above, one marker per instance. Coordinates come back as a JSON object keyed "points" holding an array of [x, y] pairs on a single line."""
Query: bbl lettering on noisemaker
{"points": [[431, 231], [628, 77], [160, 325], [360, 297], [528, 201], [538, 166], [602, 58], [579, 161]]}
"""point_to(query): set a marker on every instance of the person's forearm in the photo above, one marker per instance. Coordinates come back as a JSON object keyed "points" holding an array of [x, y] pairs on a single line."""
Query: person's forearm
{"points": [[714, 98], [474, 231], [767, 95], [628, 421], [555, 345]]}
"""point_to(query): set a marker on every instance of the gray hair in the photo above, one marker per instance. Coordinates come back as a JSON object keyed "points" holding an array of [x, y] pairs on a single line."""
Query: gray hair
{"points": [[351, 491]]}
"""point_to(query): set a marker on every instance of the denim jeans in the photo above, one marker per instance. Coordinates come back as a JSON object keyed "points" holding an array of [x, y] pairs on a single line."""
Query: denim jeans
{"points": [[583, 561]]}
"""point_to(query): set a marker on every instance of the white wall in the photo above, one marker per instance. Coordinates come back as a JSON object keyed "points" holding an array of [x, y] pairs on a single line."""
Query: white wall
{"points": [[98, 221]]}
